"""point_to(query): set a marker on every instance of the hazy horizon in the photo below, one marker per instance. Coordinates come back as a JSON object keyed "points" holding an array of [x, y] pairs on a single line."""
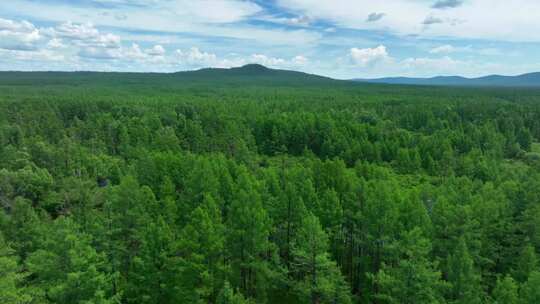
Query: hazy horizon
{"points": [[240, 66]]}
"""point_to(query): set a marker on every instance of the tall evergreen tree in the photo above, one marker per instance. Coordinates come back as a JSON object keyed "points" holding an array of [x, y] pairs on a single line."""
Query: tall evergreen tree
{"points": [[506, 291], [69, 270], [530, 293], [465, 280], [319, 278], [12, 277], [248, 229], [414, 279], [199, 255], [527, 262]]}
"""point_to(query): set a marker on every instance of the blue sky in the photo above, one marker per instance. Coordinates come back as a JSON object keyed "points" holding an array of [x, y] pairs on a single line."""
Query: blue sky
{"points": [[337, 38]]}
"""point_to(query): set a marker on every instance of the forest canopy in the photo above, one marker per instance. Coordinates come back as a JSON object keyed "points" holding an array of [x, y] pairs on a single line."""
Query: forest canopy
{"points": [[207, 188]]}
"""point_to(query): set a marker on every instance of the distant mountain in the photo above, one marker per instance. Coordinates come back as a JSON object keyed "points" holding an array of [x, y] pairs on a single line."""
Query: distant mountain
{"points": [[525, 80], [255, 72], [251, 74]]}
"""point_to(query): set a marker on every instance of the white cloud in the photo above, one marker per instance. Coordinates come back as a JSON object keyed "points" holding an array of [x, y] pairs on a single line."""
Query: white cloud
{"points": [[39, 56], [195, 58], [369, 56], [432, 64], [265, 60], [16, 35], [300, 60], [449, 49], [443, 49], [134, 53], [84, 34], [16, 26], [99, 53], [218, 18], [55, 43], [156, 50], [505, 20], [299, 21]]}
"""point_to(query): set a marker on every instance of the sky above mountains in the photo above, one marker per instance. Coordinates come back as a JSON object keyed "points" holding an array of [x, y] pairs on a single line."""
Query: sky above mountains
{"points": [[337, 38]]}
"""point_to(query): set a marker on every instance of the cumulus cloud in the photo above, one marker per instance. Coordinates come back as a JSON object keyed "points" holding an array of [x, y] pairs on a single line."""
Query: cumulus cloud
{"points": [[300, 60], [84, 34], [375, 17], [265, 60], [16, 35], [369, 56], [55, 43], [134, 53], [156, 50], [196, 58], [444, 4]]}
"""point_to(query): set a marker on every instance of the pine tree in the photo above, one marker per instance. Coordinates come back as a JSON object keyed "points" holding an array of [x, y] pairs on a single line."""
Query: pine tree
{"points": [[150, 275], [69, 270], [200, 249], [465, 280], [506, 291], [228, 296], [319, 278], [129, 208], [414, 280], [24, 228], [526, 264], [11, 277], [530, 291], [248, 229]]}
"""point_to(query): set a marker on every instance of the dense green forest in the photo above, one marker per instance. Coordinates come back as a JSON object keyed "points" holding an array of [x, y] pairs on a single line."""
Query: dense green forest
{"points": [[249, 187]]}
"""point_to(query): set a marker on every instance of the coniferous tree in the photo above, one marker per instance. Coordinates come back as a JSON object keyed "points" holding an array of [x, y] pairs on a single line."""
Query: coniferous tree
{"points": [[69, 270], [463, 276], [200, 255], [228, 296], [527, 262], [12, 277], [530, 293], [414, 279], [247, 238], [319, 279], [506, 291]]}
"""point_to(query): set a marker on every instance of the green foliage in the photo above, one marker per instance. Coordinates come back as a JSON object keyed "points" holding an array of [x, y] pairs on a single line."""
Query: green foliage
{"points": [[69, 270], [11, 277], [463, 276], [527, 262], [319, 278], [506, 291], [414, 279], [245, 187], [530, 293]]}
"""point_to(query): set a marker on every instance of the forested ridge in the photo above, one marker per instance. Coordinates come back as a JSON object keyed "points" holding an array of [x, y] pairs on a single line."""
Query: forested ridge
{"points": [[206, 188]]}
